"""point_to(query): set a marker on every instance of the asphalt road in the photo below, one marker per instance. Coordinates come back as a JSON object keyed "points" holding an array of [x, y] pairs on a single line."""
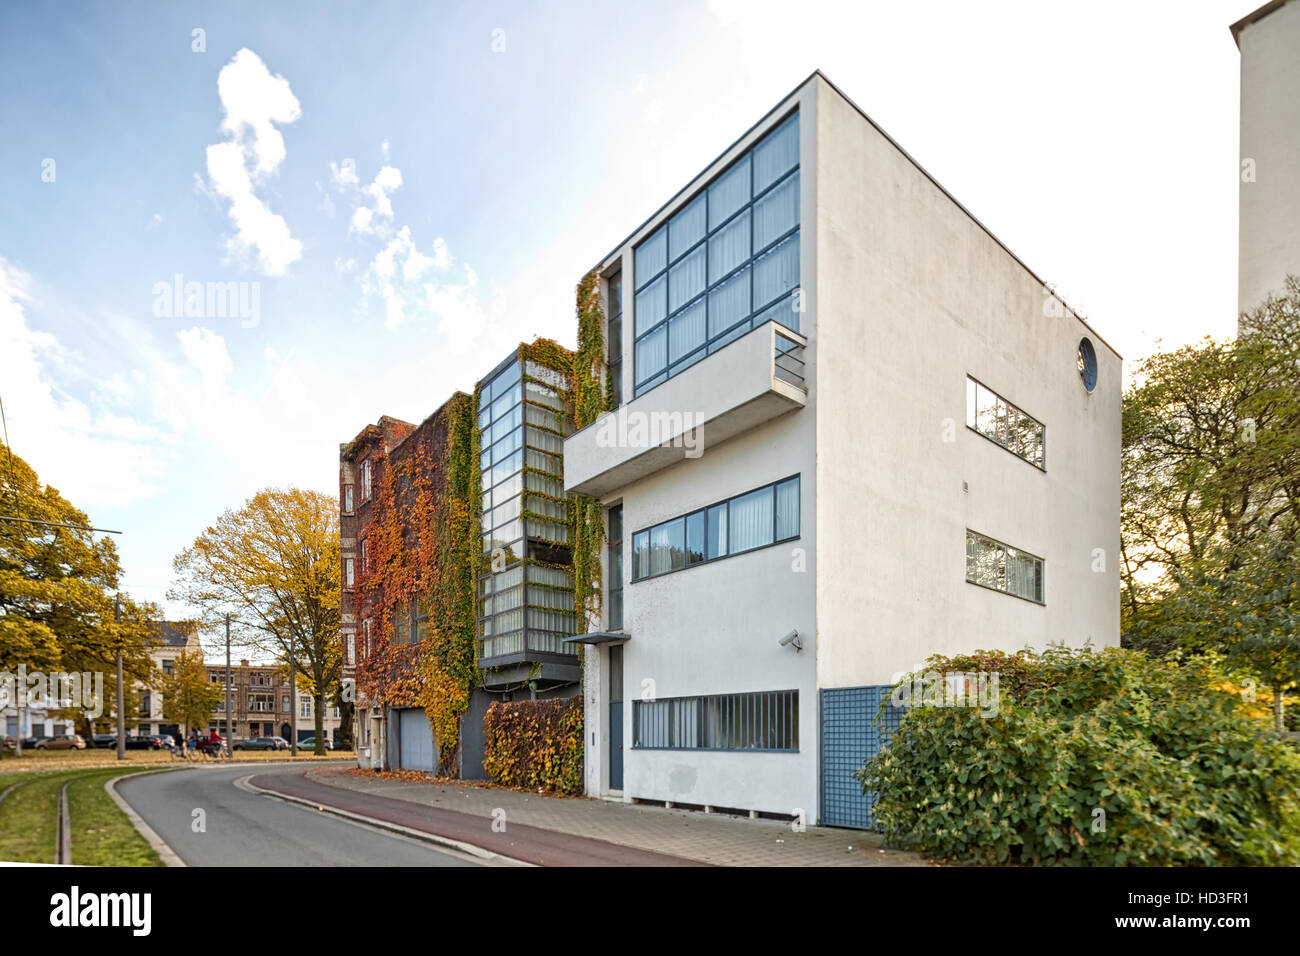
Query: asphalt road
{"points": [[248, 829]]}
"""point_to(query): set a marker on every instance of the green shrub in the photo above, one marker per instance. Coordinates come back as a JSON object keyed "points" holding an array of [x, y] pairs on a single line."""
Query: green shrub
{"points": [[1098, 758], [535, 744]]}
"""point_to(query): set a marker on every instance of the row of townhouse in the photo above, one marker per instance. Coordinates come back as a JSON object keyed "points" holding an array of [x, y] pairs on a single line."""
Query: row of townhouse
{"points": [[852, 430], [262, 704]]}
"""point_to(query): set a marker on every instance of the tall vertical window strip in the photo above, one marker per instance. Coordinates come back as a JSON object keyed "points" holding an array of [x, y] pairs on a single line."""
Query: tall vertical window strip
{"points": [[615, 576], [614, 337], [526, 596], [992, 564], [994, 417], [767, 515], [727, 262]]}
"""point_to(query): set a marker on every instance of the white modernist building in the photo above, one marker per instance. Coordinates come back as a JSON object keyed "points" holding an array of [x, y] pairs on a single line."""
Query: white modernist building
{"points": [[854, 430], [1269, 191]]}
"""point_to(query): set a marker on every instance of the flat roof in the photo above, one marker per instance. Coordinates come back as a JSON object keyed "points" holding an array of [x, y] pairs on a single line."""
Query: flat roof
{"points": [[1252, 17], [906, 155]]}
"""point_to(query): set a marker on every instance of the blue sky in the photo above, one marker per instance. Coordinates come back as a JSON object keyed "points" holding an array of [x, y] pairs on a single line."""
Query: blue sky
{"points": [[497, 151]]}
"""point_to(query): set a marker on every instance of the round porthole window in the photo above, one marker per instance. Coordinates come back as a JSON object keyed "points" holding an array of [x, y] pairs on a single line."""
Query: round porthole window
{"points": [[1087, 360]]}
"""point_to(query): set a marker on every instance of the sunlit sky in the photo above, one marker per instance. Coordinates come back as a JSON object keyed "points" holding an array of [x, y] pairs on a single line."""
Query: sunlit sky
{"points": [[416, 187]]}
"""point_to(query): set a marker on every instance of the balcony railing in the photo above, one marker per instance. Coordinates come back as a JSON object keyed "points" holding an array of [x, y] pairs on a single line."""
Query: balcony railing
{"points": [[787, 360], [748, 382]]}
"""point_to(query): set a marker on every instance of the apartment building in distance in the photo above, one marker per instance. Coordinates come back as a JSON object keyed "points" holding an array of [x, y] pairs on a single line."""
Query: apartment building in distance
{"points": [[855, 431], [1269, 190], [262, 704]]}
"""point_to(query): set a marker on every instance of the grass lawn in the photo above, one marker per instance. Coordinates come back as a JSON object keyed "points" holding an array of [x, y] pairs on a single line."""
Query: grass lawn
{"points": [[101, 833], [28, 821]]}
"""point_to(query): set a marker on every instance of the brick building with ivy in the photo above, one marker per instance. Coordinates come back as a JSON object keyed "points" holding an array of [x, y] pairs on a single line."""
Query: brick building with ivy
{"points": [[457, 553]]}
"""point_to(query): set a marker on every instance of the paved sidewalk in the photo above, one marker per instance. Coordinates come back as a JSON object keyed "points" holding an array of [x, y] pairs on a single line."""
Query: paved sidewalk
{"points": [[707, 838]]}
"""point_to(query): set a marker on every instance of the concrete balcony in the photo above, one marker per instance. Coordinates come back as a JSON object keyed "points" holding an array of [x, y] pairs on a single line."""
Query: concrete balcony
{"points": [[754, 379]]}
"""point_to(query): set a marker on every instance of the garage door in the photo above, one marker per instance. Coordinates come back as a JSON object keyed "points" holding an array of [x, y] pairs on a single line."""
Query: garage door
{"points": [[415, 740]]}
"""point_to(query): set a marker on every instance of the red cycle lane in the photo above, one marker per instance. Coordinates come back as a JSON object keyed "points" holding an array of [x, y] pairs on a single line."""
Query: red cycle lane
{"points": [[519, 842]]}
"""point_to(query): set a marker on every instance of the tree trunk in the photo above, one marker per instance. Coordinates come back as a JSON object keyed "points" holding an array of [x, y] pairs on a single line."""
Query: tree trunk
{"points": [[343, 737], [320, 724], [1278, 723]]}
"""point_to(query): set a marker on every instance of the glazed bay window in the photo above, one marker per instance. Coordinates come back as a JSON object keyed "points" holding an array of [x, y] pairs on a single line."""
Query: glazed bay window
{"points": [[995, 418], [756, 519], [727, 262], [1000, 567]]}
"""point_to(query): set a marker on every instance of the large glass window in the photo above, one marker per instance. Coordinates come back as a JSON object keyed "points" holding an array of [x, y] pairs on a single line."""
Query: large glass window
{"points": [[995, 418], [992, 564], [725, 263], [755, 519], [526, 592]]}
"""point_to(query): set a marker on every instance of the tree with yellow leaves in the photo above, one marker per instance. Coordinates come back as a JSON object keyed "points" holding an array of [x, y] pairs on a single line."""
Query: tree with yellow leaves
{"points": [[273, 566]]}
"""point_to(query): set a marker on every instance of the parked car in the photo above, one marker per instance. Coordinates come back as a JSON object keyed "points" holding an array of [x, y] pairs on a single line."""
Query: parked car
{"points": [[310, 744], [66, 742], [262, 743], [167, 740], [144, 742], [103, 740], [29, 743]]}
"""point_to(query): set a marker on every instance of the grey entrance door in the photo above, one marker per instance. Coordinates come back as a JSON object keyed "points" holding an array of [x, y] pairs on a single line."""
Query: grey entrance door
{"points": [[616, 717], [414, 740]]}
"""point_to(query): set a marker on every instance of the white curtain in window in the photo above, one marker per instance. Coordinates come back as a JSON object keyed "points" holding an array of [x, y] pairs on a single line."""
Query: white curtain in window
{"points": [[751, 520], [776, 272], [777, 212], [652, 354], [651, 256], [686, 332], [729, 303], [686, 279], [729, 247], [686, 228], [651, 304], [729, 193], [776, 154], [787, 509]]}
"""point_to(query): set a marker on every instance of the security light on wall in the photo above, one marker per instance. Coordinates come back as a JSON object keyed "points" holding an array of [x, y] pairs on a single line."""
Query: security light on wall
{"points": [[792, 638]]}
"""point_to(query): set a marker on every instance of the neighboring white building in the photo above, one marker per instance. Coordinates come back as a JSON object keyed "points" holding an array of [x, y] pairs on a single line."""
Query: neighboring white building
{"points": [[1269, 191], [859, 350]]}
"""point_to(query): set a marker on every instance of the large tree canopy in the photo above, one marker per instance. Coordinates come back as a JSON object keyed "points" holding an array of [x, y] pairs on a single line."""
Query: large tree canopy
{"points": [[273, 565], [57, 584], [1211, 497]]}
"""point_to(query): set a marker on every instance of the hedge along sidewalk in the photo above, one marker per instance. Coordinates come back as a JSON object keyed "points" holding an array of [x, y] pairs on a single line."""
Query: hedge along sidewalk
{"points": [[708, 838]]}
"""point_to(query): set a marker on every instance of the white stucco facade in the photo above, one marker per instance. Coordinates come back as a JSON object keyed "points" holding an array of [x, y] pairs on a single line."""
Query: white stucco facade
{"points": [[904, 295], [1269, 202]]}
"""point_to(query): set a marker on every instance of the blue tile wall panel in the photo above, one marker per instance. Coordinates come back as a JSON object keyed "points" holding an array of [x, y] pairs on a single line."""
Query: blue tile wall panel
{"points": [[853, 728]]}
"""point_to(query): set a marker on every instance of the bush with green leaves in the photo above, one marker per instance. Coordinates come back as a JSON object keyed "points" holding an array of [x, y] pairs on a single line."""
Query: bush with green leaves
{"points": [[1105, 758]]}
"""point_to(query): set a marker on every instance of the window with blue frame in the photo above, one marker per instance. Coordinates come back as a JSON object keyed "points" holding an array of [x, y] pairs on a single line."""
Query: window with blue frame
{"points": [[756, 519], [727, 262]]}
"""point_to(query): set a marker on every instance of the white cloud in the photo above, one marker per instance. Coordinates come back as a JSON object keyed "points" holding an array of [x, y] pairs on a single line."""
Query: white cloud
{"points": [[387, 181], [206, 351], [58, 433], [253, 102]]}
